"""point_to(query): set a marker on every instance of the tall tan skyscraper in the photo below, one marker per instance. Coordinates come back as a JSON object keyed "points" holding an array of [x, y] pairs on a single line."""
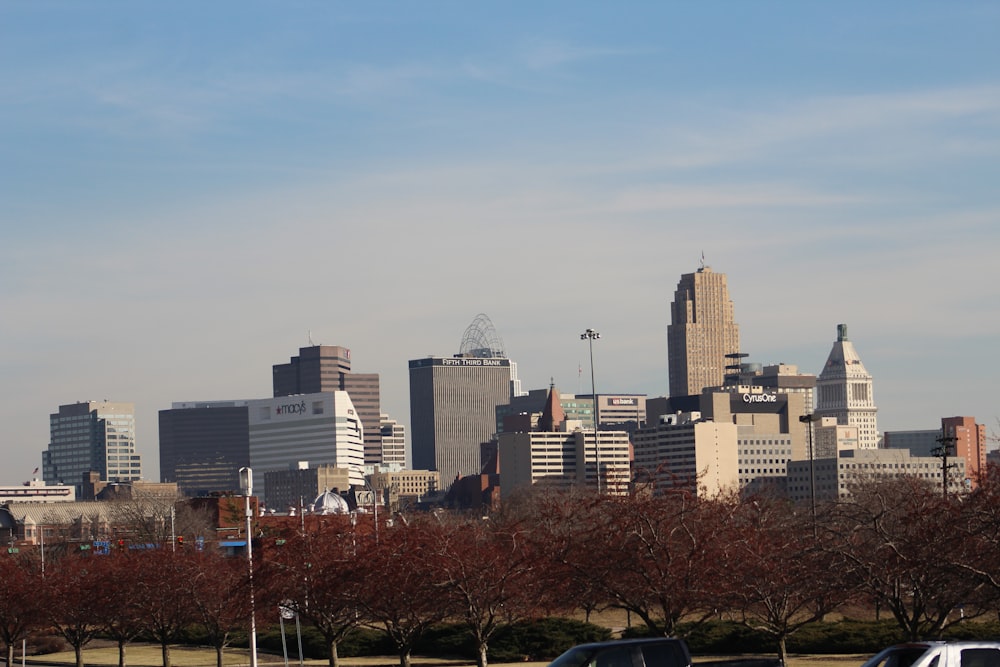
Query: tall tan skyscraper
{"points": [[702, 331]]}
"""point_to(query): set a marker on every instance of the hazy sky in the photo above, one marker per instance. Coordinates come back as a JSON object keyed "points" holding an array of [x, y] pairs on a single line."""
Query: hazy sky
{"points": [[188, 189]]}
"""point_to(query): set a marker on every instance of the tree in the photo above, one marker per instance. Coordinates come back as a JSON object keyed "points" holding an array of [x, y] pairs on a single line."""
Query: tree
{"points": [[73, 598], [650, 556], [777, 577], [120, 616], [319, 576], [21, 610], [404, 597], [219, 593], [162, 594], [898, 542], [981, 537], [488, 576]]}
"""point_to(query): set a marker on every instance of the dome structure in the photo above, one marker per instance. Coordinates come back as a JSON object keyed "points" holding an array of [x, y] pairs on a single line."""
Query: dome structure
{"points": [[481, 340], [329, 502]]}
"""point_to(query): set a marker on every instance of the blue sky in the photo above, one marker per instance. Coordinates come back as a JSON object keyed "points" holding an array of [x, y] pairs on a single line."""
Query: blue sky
{"points": [[187, 190]]}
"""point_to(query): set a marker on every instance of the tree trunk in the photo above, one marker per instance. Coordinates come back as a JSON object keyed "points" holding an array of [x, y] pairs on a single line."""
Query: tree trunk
{"points": [[121, 652], [481, 655], [78, 652], [334, 660], [782, 649], [218, 655], [404, 657], [165, 651], [10, 654]]}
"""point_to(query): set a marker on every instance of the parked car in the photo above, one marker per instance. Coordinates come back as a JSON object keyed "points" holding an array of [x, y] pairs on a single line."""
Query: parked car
{"points": [[647, 652], [938, 654]]}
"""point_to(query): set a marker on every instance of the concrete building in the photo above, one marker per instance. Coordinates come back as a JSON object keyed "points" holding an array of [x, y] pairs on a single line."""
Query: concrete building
{"points": [[685, 452], [296, 487], [834, 476], [453, 404], [564, 459], [613, 410], [786, 379], [37, 491], [321, 368], [400, 489], [322, 428], [701, 333], [918, 443], [769, 432], [967, 440], [92, 436], [203, 445], [844, 391], [393, 442]]}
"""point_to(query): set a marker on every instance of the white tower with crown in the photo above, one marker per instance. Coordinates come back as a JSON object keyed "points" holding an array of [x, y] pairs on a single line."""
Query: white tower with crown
{"points": [[844, 391]]}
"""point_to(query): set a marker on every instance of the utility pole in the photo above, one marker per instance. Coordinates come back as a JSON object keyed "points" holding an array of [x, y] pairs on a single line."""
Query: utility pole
{"points": [[945, 449]]}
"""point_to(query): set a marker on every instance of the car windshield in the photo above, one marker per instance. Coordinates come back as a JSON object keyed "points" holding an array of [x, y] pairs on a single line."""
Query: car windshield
{"points": [[897, 656], [575, 657]]}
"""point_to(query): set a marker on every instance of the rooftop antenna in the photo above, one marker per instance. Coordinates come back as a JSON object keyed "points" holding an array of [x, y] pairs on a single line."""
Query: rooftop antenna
{"points": [[702, 261], [309, 334]]}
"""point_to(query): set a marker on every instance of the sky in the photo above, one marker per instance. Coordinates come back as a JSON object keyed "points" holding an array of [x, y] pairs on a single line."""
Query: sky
{"points": [[190, 192]]}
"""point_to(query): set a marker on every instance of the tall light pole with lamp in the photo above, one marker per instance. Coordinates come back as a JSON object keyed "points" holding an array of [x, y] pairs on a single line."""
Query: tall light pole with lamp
{"points": [[590, 336], [808, 420], [246, 484]]}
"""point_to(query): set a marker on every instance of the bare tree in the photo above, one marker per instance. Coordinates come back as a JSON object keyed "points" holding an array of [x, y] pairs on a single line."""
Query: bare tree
{"points": [[73, 597], [777, 577], [161, 590], [898, 541]]}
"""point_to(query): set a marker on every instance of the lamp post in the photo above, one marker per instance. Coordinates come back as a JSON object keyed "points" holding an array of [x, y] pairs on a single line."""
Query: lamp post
{"points": [[808, 420], [590, 336], [246, 484]]}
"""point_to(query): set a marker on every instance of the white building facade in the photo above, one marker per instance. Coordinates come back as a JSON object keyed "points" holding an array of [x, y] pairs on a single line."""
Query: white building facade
{"points": [[844, 391], [684, 451], [564, 459], [322, 428]]}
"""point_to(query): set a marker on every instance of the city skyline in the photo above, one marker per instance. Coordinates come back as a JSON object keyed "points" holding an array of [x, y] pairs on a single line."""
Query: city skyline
{"points": [[190, 195]]}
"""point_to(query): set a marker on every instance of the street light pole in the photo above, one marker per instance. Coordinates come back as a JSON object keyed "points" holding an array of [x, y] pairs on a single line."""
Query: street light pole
{"points": [[808, 420], [590, 336], [246, 484]]}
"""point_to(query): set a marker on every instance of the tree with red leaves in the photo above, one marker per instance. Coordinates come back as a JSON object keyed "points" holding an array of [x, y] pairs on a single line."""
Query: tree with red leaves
{"points": [[73, 596], [21, 610], [119, 617], [898, 542], [405, 595], [162, 592], [488, 575], [776, 576], [219, 592], [650, 556], [319, 576]]}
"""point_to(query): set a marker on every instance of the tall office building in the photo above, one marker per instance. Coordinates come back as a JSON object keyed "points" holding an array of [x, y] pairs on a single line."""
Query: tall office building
{"points": [[318, 428], [844, 391], [328, 368], [95, 436], [968, 440], [702, 331], [453, 404], [203, 445]]}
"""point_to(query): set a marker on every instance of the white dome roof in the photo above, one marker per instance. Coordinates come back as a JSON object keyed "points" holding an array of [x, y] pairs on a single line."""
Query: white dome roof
{"points": [[329, 503]]}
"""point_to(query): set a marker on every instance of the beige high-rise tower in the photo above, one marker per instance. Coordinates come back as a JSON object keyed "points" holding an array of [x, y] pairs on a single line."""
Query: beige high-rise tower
{"points": [[702, 331], [844, 391]]}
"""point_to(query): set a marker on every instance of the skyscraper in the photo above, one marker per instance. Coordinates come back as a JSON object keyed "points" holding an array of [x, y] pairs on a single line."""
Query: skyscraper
{"points": [[844, 391], [328, 368], [95, 436], [317, 428], [968, 440], [203, 445], [702, 331], [453, 402]]}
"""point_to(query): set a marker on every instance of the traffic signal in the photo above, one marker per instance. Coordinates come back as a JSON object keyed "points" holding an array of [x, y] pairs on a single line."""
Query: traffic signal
{"points": [[121, 545], [180, 540]]}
